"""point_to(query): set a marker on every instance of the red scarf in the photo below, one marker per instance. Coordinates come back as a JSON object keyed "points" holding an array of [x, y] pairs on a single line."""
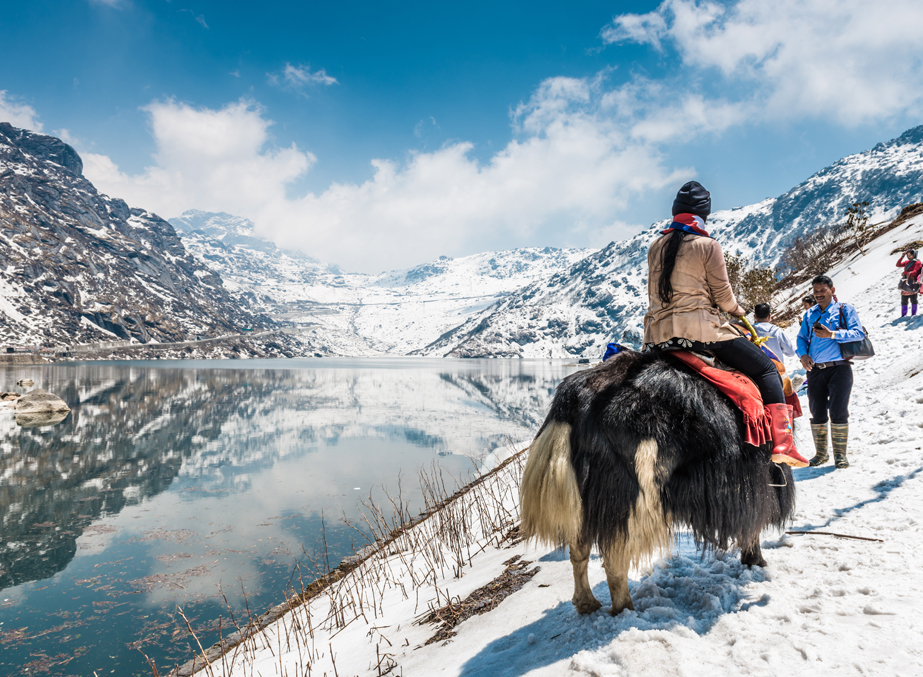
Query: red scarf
{"points": [[689, 223]]}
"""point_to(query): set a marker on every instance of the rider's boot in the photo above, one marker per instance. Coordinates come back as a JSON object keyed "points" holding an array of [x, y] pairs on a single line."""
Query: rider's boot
{"points": [[839, 432], [783, 444], [819, 433]]}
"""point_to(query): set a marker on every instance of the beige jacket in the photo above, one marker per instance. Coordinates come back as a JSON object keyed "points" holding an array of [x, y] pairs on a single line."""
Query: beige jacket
{"points": [[700, 289]]}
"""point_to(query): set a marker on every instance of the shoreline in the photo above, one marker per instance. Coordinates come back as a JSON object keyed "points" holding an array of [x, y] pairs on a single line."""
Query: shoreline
{"points": [[23, 359]]}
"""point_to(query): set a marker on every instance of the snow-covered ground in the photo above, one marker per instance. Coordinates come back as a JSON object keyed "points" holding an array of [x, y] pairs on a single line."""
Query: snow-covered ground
{"points": [[824, 605]]}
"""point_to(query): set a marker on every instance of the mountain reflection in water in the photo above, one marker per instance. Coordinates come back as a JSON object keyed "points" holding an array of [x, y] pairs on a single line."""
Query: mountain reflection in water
{"points": [[236, 463]]}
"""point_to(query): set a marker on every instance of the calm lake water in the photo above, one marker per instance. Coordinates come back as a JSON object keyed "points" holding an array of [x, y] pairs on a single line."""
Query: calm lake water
{"points": [[169, 480]]}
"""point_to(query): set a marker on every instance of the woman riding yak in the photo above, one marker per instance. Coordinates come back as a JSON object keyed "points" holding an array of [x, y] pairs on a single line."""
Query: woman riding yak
{"points": [[688, 286]]}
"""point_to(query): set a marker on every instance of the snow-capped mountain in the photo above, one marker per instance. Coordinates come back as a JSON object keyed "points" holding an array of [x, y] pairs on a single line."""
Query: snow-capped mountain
{"points": [[604, 297], [393, 312], [77, 266], [229, 245]]}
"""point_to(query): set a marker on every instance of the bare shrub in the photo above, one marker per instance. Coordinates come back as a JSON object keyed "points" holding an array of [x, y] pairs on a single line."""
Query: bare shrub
{"points": [[735, 264], [857, 224], [815, 251], [750, 283], [757, 286]]}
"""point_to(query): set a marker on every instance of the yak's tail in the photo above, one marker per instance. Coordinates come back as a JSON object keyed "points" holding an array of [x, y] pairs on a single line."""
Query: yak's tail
{"points": [[552, 510]]}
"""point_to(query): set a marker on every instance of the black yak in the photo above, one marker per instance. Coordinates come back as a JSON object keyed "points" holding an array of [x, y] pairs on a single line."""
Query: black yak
{"points": [[635, 448]]}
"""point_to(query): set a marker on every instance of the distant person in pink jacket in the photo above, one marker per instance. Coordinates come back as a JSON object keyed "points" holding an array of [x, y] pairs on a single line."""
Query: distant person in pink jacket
{"points": [[910, 281]]}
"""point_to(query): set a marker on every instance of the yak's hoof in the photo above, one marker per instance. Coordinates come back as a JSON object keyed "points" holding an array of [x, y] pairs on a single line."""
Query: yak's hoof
{"points": [[750, 559], [616, 610], [587, 606]]}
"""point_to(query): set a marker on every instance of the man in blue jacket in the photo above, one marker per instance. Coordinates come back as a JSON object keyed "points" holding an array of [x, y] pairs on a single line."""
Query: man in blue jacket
{"points": [[824, 328]]}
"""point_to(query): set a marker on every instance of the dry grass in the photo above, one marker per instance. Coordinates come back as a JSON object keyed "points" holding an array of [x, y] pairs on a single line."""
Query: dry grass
{"points": [[480, 601], [458, 523]]}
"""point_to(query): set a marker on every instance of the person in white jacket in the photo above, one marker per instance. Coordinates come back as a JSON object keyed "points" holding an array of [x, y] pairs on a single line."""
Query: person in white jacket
{"points": [[777, 342]]}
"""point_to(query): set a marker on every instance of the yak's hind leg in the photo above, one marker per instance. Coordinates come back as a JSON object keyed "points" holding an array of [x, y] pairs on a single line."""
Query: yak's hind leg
{"points": [[583, 600], [616, 566], [751, 554]]}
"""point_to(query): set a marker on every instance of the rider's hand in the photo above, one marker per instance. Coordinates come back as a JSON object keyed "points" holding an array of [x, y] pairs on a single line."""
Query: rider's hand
{"points": [[807, 363]]}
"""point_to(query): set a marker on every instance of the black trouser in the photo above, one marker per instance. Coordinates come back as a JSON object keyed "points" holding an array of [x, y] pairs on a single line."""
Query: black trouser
{"points": [[828, 390], [912, 298], [742, 355]]}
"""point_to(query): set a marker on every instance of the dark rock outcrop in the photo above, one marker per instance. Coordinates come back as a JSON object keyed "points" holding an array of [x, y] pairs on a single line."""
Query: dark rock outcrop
{"points": [[77, 266]]}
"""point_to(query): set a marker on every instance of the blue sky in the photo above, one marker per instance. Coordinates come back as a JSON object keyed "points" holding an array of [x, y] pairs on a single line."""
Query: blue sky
{"points": [[380, 136]]}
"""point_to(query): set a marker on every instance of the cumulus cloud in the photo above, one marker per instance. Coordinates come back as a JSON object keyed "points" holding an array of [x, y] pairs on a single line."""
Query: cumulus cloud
{"points": [[214, 158], [852, 61], [18, 113], [299, 78], [571, 166]]}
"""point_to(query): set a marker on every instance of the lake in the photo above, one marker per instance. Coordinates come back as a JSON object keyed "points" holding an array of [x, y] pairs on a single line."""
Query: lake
{"points": [[204, 486]]}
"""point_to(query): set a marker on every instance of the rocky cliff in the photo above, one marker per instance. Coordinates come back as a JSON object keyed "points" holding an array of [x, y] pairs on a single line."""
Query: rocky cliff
{"points": [[77, 266]]}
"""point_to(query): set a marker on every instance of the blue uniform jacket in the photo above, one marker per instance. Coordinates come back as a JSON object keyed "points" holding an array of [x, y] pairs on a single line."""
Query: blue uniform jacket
{"points": [[828, 349]]}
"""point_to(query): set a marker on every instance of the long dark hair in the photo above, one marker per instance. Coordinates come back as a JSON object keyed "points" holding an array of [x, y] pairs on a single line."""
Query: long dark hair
{"points": [[667, 263]]}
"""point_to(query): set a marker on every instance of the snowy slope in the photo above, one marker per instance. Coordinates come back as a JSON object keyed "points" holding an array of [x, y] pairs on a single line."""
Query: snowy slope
{"points": [[824, 605], [575, 313]]}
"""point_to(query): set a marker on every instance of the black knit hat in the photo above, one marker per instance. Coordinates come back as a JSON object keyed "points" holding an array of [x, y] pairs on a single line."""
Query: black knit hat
{"points": [[692, 198]]}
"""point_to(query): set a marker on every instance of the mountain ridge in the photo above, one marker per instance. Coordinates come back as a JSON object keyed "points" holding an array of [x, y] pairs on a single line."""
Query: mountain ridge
{"points": [[604, 297]]}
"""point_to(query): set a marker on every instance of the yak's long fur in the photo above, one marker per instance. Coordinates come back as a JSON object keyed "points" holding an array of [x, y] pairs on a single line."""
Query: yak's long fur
{"points": [[653, 447]]}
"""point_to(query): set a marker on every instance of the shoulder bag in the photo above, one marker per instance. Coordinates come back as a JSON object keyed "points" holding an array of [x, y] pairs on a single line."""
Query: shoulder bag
{"points": [[909, 286], [855, 350]]}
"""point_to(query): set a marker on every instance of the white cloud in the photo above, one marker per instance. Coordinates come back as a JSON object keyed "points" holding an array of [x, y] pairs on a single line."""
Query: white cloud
{"points": [[641, 28], [213, 158], [17, 113], [298, 78], [852, 61], [571, 167]]}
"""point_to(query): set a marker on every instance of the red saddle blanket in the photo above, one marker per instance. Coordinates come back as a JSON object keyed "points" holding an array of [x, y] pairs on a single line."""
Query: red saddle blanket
{"points": [[741, 391]]}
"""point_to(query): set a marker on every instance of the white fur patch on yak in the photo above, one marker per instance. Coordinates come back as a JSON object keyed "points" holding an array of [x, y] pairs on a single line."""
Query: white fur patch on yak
{"points": [[552, 510], [649, 529]]}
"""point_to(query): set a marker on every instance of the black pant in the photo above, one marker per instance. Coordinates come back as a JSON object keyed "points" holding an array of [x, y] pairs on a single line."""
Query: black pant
{"points": [[912, 298], [828, 390], [742, 355]]}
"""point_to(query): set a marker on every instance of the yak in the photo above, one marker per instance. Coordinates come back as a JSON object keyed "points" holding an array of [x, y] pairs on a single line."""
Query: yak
{"points": [[635, 448]]}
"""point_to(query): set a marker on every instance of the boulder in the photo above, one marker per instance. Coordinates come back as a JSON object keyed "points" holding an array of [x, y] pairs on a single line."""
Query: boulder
{"points": [[40, 401]]}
